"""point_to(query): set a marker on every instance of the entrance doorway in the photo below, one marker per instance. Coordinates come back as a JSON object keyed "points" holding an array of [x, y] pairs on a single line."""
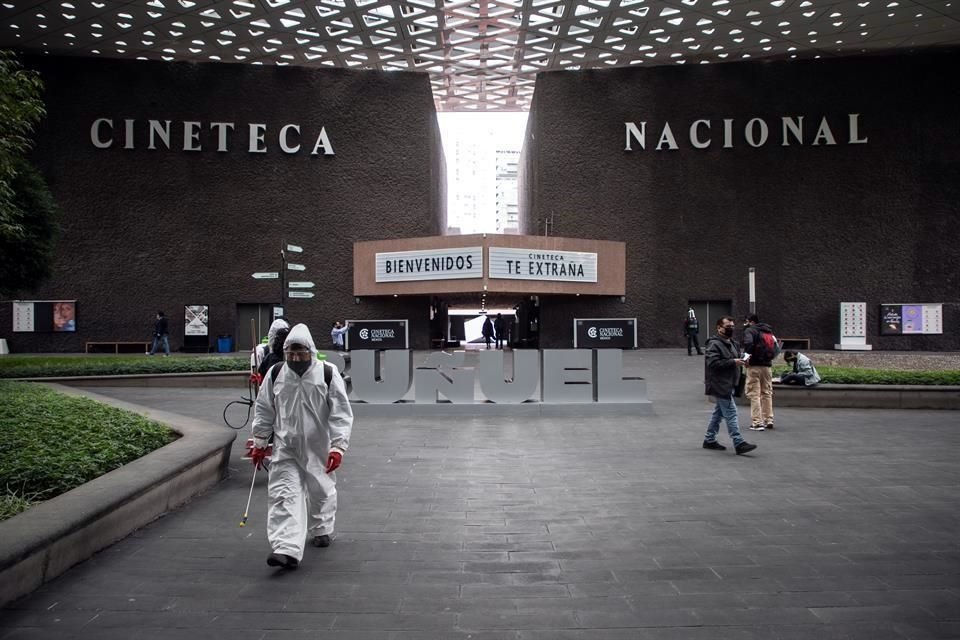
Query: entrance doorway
{"points": [[262, 315], [708, 312], [466, 327]]}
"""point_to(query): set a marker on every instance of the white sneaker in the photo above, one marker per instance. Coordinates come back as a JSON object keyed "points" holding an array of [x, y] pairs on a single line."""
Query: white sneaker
{"points": [[757, 427]]}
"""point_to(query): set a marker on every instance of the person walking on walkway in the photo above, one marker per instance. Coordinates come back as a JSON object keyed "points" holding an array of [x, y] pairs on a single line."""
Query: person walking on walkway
{"points": [[487, 331], [691, 329], [760, 345], [262, 350], [160, 335], [721, 374], [499, 327], [306, 410]]}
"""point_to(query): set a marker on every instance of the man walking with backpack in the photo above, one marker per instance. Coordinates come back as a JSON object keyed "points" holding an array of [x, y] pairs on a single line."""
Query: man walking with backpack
{"points": [[761, 348]]}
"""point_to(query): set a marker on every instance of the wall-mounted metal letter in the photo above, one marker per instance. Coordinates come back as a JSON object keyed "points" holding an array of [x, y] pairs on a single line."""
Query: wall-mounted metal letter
{"points": [[611, 385], [526, 375], [442, 373], [567, 376], [393, 381]]}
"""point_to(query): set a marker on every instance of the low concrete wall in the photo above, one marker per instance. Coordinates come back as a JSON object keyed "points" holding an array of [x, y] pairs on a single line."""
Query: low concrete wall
{"points": [[219, 379], [46, 540], [866, 396]]}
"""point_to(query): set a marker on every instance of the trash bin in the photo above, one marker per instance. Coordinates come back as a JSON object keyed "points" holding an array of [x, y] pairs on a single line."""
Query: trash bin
{"points": [[224, 344]]}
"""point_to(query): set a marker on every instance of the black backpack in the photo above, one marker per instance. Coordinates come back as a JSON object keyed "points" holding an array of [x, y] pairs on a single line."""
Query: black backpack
{"points": [[268, 361]]}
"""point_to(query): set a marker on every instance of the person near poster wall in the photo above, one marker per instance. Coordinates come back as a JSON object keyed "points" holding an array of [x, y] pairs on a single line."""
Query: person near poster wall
{"points": [[160, 335]]}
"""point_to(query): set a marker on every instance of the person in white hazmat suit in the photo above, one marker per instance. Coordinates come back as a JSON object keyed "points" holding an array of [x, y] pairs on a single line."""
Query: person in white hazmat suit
{"points": [[311, 423], [261, 350]]}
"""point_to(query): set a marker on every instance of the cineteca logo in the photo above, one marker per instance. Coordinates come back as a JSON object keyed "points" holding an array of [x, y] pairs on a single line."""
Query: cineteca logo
{"points": [[592, 332], [364, 334]]}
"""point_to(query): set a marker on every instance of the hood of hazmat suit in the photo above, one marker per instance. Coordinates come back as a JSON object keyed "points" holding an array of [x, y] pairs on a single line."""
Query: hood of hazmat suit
{"points": [[261, 350]]}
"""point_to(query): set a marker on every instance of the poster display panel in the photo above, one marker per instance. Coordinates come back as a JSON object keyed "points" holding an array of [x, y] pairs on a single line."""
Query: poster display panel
{"points": [[196, 320], [23, 317], [45, 316], [605, 333], [911, 318], [377, 334]]}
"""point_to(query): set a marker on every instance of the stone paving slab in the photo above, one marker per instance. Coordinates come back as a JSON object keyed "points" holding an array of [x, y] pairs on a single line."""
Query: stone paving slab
{"points": [[841, 525]]}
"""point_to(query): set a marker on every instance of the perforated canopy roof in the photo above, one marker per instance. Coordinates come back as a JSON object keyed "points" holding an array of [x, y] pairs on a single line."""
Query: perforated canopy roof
{"points": [[481, 55]]}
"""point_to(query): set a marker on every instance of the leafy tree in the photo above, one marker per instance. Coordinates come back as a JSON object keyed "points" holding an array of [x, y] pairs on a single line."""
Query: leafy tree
{"points": [[27, 254], [27, 209]]}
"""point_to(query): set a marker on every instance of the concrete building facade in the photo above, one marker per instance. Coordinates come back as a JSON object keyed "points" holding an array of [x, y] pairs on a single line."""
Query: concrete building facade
{"points": [[836, 180], [223, 164]]}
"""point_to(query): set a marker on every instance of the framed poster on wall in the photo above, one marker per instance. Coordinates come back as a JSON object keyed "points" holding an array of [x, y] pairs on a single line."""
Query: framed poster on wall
{"points": [[23, 317], [45, 316], [898, 319], [196, 320]]}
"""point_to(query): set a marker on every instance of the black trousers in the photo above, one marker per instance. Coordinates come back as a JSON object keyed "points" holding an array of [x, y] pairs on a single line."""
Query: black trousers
{"points": [[693, 341]]}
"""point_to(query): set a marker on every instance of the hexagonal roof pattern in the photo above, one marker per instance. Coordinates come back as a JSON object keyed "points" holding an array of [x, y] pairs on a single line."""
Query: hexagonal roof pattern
{"points": [[481, 55]]}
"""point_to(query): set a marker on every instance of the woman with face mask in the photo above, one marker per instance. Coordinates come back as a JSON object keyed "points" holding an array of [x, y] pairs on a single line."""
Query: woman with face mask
{"points": [[721, 374], [311, 422]]}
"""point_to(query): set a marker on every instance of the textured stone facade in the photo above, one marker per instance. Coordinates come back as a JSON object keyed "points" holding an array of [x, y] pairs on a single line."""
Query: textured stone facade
{"points": [[146, 229], [871, 222]]}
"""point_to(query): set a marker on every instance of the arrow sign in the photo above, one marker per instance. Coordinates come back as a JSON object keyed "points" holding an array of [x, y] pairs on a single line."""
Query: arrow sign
{"points": [[293, 266], [300, 294], [266, 275], [300, 285], [294, 248]]}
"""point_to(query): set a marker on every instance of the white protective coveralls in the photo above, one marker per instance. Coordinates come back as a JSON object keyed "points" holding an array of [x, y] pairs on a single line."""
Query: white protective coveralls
{"points": [[261, 350], [308, 420]]}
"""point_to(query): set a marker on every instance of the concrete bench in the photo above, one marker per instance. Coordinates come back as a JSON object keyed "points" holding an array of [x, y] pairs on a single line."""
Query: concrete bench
{"points": [[865, 396], [136, 346]]}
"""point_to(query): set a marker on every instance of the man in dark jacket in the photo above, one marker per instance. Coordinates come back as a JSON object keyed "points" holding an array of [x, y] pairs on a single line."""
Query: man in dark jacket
{"points": [[487, 331], [759, 386], [160, 335], [721, 374]]}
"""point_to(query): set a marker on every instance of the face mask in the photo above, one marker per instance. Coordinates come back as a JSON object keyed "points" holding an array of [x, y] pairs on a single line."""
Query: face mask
{"points": [[299, 368], [727, 331]]}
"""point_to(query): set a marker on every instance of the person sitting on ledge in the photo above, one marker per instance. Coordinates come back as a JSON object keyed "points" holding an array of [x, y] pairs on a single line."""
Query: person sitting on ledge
{"points": [[804, 373]]}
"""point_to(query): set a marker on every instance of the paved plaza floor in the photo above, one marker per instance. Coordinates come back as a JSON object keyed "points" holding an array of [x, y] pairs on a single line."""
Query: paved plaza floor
{"points": [[842, 524]]}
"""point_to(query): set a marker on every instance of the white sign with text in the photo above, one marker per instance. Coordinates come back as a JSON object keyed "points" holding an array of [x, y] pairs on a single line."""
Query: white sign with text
{"points": [[433, 264], [542, 264]]}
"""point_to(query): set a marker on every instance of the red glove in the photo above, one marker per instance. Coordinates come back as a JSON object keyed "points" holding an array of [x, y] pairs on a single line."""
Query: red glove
{"points": [[256, 379], [257, 457], [334, 460]]}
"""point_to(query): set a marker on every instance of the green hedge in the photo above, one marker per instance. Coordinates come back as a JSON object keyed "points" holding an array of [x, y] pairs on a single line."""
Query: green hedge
{"points": [[53, 366], [850, 375], [53, 443]]}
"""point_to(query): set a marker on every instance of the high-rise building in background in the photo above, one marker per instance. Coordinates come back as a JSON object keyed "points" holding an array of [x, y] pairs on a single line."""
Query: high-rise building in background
{"points": [[508, 206], [483, 152]]}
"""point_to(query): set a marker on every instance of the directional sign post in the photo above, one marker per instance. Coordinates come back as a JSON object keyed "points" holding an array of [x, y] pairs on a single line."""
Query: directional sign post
{"points": [[292, 266], [266, 275]]}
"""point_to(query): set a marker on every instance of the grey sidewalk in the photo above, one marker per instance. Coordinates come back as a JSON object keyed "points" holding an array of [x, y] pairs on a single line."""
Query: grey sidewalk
{"points": [[843, 524]]}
